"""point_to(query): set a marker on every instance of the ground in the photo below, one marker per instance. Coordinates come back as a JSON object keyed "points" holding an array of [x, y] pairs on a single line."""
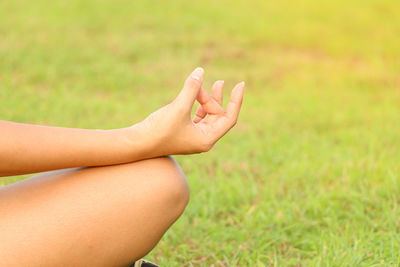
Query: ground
{"points": [[310, 176]]}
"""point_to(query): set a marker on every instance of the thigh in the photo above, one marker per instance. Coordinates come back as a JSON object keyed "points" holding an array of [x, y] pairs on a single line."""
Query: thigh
{"points": [[102, 216]]}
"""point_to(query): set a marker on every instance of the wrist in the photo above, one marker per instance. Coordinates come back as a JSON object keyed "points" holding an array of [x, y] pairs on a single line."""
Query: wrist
{"points": [[137, 142]]}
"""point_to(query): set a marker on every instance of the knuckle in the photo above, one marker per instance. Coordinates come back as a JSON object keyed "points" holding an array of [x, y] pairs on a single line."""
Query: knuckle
{"points": [[193, 82]]}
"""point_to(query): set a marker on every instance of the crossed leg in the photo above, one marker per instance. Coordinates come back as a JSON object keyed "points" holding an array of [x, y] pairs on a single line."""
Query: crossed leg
{"points": [[100, 216]]}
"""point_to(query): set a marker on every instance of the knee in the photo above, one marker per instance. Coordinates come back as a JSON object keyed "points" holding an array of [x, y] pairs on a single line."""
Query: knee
{"points": [[171, 187]]}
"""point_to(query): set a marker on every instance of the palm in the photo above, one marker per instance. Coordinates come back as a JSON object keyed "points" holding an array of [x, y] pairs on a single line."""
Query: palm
{"points": [[209, 125]]}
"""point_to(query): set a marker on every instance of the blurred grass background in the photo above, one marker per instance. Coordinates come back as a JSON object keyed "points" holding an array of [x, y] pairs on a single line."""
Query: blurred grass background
{"points": [[310, 176]]}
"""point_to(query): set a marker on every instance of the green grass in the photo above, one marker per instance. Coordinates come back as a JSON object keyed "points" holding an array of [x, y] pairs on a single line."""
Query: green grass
{"points": [[311, 174]]}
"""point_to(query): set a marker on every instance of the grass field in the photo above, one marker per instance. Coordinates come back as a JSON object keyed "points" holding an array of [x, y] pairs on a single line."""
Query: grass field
{"points": [[310, 176]]}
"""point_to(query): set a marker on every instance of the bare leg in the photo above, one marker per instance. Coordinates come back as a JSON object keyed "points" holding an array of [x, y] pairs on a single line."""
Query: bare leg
{"points": [[103, 216]]}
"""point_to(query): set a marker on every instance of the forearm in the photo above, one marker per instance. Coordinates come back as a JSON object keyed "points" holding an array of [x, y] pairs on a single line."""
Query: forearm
{"points": [[26, 148]]}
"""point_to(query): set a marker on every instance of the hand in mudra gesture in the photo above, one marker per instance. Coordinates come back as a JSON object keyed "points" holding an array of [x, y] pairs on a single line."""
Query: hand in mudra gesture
{"points": [[172, 129]]}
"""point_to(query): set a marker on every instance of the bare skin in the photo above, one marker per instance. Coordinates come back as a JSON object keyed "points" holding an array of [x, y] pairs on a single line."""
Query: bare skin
{"points": [[105, 197]]}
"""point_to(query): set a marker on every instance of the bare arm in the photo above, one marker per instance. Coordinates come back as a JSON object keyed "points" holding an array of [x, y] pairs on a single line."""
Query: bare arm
{"points": [[26, 148], [29, 148]]}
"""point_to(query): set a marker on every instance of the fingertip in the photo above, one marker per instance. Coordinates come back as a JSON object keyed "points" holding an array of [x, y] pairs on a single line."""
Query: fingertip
{"points": [[200, 69], [240, 85], [198, 73], [221, 84], [237, 91], [218, 85], [241, 88]]}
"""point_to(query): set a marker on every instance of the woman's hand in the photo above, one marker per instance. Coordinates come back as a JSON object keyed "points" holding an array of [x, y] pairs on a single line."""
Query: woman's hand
{"points": [[171, 129], [26, 148]]}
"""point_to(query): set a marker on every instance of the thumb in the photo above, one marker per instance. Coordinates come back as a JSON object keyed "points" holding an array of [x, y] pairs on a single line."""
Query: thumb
{"points": [[191, 88]]}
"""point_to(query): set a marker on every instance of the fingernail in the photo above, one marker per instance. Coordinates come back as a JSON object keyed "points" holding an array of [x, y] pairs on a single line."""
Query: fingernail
{"points": [[221, 81], [197, 73], [242, 84]]}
